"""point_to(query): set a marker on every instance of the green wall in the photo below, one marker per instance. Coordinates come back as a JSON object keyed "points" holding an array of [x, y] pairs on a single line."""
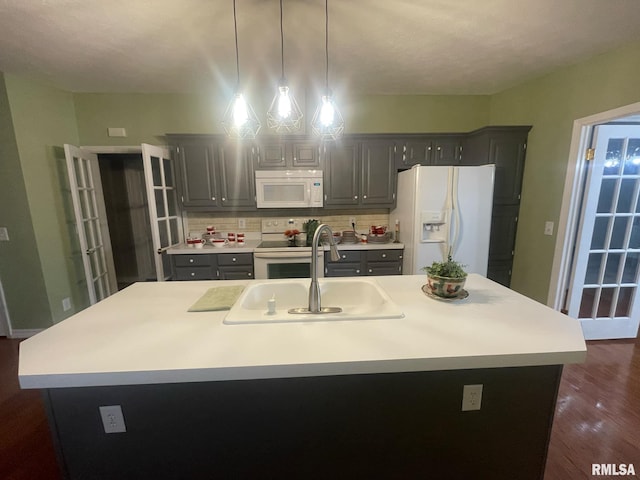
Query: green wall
{"points": [[20, 267], [551, 104], [147, 117], [43, 119]]}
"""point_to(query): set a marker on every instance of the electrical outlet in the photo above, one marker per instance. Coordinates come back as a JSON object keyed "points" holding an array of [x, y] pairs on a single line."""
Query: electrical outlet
{"points": [[112, 419], [4, 234], [66, 304], [471, 397], [242, 223], [548, 228]]}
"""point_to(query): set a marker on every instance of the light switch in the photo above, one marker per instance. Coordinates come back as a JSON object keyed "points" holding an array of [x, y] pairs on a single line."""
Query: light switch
{"points": [[4, 234], [548, 228]]}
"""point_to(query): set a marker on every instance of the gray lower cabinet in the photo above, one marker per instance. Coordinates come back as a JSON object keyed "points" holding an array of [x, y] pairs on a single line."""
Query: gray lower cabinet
{"points": [[214, 266], [354, 263]]}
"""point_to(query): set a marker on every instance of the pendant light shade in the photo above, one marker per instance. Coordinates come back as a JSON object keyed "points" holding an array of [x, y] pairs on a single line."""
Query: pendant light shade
{"points": [[284, 115], [327, 122], [240, 120]]}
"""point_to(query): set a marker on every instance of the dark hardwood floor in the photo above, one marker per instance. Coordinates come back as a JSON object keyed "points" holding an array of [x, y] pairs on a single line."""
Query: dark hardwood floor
{"points": [[597, 417]]}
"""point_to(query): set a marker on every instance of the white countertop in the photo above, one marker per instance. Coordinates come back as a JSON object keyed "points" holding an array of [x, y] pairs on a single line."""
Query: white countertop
{"points": [[145, 335], [250, 246]]}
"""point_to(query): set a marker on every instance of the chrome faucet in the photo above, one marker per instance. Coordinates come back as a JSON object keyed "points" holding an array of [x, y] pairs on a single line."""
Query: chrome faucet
{"points": [[315, 305]]}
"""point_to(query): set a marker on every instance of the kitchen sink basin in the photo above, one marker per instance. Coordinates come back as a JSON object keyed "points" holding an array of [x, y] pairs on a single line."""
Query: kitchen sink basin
{"points": [[360, 299]]}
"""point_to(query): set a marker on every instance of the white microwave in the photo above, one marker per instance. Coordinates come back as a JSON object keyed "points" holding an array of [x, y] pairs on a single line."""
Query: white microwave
{"points": [[289, 188]]}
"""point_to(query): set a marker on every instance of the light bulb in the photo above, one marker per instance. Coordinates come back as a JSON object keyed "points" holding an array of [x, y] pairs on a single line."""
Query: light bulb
{"points": [[327, 113], [284, 103], [240, 113]]}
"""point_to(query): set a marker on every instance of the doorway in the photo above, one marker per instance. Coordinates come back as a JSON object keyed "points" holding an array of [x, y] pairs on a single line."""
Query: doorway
{"points": [[596, 275], [127, 208]]}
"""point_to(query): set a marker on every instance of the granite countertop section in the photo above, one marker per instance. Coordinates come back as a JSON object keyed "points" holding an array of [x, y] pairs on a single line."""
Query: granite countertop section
{"points": [[250, 246], [145, 335]]}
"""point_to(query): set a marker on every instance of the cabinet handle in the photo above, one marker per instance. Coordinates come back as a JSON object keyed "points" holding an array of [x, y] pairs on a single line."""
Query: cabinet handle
{"points": [[217, 273], [400, 256], [224, 199], [233, 259], [213, 198], [191, 260], [370, 271], [384, 255], [193, 274], [344, 256], [249, 274], [282, 159], [295, 159], [355, 197], [364, 196], [358, 271], [325, 197]]}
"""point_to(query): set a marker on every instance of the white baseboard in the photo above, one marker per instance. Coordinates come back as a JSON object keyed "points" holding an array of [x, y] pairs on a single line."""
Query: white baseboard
{"points": [[25, 332]]}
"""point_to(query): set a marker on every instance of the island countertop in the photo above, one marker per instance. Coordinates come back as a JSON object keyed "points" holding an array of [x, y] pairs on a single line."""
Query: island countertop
{"points": [[145, 335]]}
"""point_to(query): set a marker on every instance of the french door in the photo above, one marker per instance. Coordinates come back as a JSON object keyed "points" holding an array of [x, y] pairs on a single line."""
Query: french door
{"points": [[164, 213], [91, 222], [603, 291]]}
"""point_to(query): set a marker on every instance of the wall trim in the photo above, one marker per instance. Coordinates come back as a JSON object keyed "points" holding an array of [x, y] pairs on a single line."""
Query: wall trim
{"points": [[570, 214], [25, 332], [113, 149]]}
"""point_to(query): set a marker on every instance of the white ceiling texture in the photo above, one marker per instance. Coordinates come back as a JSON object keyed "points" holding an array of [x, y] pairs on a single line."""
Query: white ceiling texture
{"points": [[375, 46]]}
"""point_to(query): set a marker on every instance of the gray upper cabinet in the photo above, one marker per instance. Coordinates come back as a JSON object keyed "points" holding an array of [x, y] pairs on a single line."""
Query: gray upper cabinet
{"points": [[419, 149], [378, 173], [341, 173], [286, 152], [215, 174], [359, 173]]}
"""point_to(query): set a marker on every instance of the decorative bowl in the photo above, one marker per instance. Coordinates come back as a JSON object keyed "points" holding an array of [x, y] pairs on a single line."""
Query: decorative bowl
{"points": [[445, 287]]}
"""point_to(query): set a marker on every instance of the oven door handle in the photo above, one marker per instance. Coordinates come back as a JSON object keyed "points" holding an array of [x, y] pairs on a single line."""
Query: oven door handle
{"points": [[285, 255]]}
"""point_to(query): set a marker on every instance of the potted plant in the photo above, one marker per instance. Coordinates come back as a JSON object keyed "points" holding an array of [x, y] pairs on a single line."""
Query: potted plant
{"points": [[445, 279]]}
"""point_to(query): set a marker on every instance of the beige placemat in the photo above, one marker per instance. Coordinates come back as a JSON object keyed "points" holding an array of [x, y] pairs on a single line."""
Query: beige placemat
{"points": [[217, 298]]}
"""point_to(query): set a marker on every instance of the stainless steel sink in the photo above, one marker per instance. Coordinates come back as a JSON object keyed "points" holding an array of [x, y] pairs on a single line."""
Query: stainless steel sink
{"points": [[360, 299]]}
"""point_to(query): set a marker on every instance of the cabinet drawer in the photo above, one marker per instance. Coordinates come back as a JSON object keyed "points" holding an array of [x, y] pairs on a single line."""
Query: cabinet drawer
{"points": [[242, 272], [338, 269], [192, 260], [384, 255], [194, 273], [384, 268], [235, 259], [345, 256]]}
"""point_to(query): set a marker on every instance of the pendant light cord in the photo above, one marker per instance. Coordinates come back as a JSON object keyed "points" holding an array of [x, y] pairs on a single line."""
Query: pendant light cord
{"points": [[235, 27], [326, 41], [281, 42]]}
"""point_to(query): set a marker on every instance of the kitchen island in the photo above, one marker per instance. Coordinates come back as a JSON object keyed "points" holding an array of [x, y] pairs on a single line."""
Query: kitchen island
{"points": [[335, 399]]}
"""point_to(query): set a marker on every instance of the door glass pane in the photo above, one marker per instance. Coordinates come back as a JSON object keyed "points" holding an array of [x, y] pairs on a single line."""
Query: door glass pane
{"points": [[84, 204], [611, 270], [160, 203], [172, 202], [599, 233], [593, 268], [632, 160], [586, 303], [605, 303], [614, 156], [627, 196], [619, 232], [634, 239], [155, 170], [625, 297], [168, 173], [164, 239], [78, 172], [86, 170], [173, 225], [607, 190], [630, 272]]}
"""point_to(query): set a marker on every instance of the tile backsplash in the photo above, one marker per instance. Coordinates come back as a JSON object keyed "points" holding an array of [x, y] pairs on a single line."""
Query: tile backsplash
{"points": [[197, 222]]}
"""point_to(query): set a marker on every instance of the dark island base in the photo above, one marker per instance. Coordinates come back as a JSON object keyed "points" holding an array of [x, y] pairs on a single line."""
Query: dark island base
{"points": [[388, 426]]}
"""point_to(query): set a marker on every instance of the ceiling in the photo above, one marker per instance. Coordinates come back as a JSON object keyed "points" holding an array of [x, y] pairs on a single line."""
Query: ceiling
{"points": [[375, 46]]}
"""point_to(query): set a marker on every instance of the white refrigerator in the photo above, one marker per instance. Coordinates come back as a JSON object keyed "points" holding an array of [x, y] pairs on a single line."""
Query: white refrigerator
{"points": [[440, 209]]}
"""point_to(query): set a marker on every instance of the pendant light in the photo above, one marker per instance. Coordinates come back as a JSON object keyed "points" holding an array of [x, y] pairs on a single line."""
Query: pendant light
{"points": [[239, 121], [327, 122], [284, 115]]}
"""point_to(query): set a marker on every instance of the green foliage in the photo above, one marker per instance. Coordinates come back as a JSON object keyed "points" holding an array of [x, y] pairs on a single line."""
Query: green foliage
{"points": [[449, 269]]}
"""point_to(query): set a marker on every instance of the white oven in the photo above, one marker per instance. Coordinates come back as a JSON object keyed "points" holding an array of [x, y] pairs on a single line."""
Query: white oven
{"points": [[294, 262], [289, 188]]}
